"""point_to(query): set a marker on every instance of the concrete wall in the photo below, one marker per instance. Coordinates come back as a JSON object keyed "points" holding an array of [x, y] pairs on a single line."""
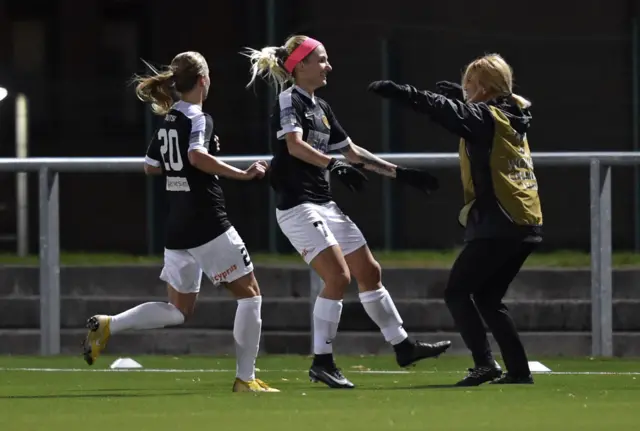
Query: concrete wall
{"points": [[551, 308]]}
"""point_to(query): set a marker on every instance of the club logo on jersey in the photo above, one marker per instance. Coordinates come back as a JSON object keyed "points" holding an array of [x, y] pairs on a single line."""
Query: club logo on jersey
{"points": [[325, 121]]}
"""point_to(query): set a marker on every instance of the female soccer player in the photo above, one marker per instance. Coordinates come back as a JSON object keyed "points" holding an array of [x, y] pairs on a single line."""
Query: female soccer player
{"points": [[199, 235], [502, 215], [325, 237]]}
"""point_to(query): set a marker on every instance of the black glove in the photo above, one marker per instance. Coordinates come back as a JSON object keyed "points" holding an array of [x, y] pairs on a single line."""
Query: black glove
{"points": [[349, 175], [450, 90], [418, 178], [387, 89]]}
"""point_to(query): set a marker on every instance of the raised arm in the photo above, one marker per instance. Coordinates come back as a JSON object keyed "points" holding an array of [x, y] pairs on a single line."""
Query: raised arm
{"points": [[467, 120], [359, 156]]}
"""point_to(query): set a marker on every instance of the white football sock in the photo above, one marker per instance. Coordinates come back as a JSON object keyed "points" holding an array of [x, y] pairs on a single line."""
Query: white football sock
{"points": [[246, 333], [149, 315], [380, 307], [326, 318]]}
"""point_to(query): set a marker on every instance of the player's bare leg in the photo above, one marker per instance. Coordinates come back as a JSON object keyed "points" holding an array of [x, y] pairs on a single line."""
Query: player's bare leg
{"points": [[247, 329], [379, 305], [332, 269], [149, 315]]}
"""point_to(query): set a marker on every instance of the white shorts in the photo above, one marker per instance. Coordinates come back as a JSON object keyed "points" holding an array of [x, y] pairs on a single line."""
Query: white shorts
{"points": [[313, 227], [223, 259]]}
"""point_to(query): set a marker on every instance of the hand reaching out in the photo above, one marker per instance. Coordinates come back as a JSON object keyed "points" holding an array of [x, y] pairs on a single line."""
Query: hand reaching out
{"points": [[257, 170], [350, 175], [450, 90], [387, 89], [418, 178]]}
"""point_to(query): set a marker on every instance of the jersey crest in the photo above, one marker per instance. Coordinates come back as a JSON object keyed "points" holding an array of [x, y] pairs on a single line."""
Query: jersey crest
{"points": [[325, 121]]}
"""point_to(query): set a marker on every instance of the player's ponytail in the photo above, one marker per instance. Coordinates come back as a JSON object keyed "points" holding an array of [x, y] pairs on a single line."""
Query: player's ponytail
{"points": [[162, 89], [156, 89], [269, 62]]}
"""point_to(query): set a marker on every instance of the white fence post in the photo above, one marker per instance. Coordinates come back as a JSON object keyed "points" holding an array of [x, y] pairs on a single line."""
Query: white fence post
{"points": [[49, 262], [601, 273]]}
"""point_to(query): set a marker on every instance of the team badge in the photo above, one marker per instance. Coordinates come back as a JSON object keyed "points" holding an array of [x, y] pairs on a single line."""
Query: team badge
{"points": [[325, 121]]}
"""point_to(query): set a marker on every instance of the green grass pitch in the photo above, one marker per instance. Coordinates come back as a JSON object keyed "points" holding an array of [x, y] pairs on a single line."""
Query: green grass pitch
{"points": [[194, 393]]}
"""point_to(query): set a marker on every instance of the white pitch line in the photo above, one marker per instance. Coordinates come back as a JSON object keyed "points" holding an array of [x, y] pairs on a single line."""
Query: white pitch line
{"points": [[165, 370]]}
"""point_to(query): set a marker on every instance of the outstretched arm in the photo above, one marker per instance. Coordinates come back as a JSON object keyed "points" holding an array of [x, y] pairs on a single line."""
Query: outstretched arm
{"points": [[357, 155], [418, 178], [339, 140], [214, 166], [467, 120]]}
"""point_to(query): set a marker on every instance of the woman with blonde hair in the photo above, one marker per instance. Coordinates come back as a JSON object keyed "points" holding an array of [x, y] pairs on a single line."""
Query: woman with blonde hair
{"points": [[502, 215], [199, 236], [327, 240]]}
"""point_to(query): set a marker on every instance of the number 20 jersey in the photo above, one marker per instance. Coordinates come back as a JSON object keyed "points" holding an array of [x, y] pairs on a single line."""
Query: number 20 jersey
{"points": [[197, 212]]}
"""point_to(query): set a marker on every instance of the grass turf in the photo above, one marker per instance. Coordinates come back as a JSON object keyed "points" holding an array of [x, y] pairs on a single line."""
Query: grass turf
{"points": [[200, 397]]}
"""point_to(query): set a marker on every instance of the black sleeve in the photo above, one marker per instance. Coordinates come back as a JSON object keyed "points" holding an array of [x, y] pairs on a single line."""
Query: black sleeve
{"points": [[338, 138], [153, 156], [290, 115], [197, 134], [471, 121], [209, 136]]}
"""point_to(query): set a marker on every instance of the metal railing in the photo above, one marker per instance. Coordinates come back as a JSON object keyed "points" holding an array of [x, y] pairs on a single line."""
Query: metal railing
{"points": [[600, 164]]}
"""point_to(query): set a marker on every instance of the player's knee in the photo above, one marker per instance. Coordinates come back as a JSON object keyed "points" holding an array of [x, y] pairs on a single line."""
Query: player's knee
{"points": [[184, 302], [459, 288], [186, 310], [337, 281], [244, 287], [453, 295], [252, 289], [485, 302], [371, 276]]}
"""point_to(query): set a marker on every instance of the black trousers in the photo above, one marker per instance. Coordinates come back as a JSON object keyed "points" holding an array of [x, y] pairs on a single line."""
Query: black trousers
{"points": [[478, 281]]}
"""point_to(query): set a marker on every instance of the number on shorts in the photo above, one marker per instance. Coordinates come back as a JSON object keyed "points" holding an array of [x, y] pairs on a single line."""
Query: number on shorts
{"points": [[319, 224], [245, 256]]}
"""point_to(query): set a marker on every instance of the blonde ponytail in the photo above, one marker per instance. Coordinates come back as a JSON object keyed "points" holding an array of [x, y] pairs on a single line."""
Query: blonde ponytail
{"points": [[163, 89], [268, 63], [156, 90]]}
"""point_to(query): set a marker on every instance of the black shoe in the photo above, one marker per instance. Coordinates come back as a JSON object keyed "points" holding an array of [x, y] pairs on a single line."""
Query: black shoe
{"points": [[480, 375], [330, 375], [408, 353], [510, 379]]}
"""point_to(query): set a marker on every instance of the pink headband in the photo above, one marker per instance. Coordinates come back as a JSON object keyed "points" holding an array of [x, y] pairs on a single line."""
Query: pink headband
{"points": [[298, 54]]}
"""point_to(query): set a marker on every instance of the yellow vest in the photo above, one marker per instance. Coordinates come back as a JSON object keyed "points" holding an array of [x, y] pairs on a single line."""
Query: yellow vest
{"points": [[514, 183]]}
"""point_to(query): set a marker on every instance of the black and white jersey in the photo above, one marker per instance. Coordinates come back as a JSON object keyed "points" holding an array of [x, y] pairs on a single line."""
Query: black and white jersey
{"points": [[197, 212], [294, 180]]}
